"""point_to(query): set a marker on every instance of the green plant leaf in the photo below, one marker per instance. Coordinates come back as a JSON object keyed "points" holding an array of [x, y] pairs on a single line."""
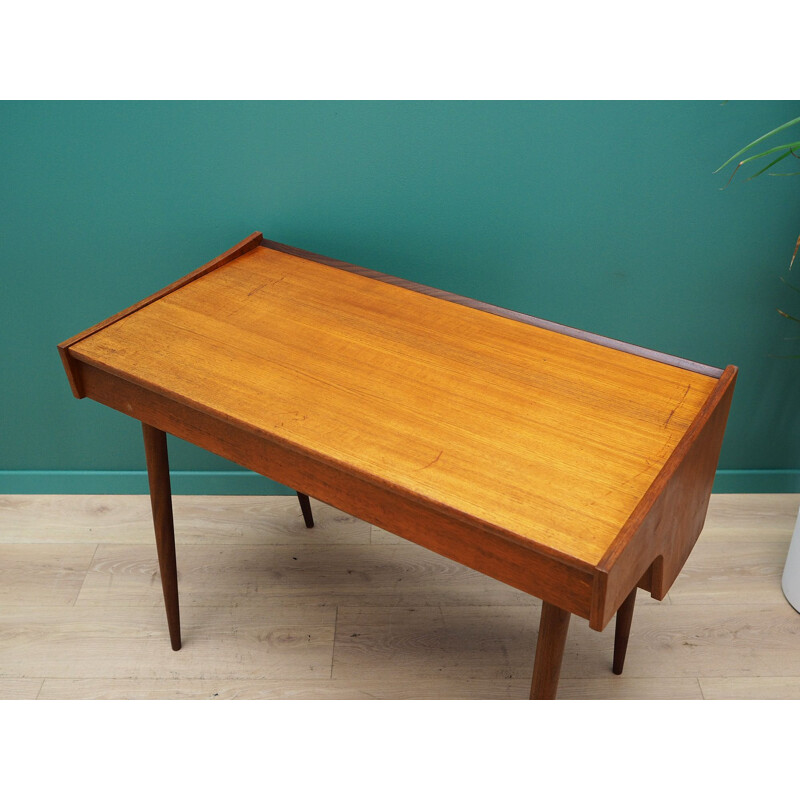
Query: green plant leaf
{"points": [[788, 316], [788, 147], [796, 246], [758, 141], [771, 164], [794, 288]]}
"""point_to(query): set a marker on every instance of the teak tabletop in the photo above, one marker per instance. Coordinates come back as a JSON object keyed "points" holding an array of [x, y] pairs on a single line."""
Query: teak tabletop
{"points": [[570, 466]]}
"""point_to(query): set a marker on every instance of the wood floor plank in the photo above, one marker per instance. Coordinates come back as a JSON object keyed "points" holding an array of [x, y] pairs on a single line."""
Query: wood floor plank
{"points": [[755, 688], [215, 575], [695, 641], [751, 517], [281, 641], [430, 688], [29, 519], [20, 688], [360, 613], [125, 519], [621, 687], [433, 688], [481, 642], [732, 572], [462, 642], [42, 574], [380, 536]]}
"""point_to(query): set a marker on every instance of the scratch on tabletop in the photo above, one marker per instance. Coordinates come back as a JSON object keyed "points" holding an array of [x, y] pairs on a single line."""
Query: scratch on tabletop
{"points": [[680, 403], [432, 462]]}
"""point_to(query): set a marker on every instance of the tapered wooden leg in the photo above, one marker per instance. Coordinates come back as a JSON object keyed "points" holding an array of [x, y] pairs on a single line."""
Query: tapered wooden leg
{"points": [[549, 651], [155, 448], [622, 630], [305, 507]]}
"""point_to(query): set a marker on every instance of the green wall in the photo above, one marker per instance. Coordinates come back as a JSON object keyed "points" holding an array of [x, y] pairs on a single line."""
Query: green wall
{"points": [[601, 215]]}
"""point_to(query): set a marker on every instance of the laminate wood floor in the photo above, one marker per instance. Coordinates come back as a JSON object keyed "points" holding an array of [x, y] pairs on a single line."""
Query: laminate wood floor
{"points": [[345, 610]]}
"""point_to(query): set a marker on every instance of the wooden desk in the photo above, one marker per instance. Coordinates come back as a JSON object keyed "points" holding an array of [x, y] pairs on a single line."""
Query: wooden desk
{"points": [[570, 466]]}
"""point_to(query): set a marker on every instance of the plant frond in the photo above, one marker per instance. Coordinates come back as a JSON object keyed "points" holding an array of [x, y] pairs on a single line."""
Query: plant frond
{"points": [[795, 288], [758, 141], [771, 164], [788, 147], [788, 316], [797, 245]]}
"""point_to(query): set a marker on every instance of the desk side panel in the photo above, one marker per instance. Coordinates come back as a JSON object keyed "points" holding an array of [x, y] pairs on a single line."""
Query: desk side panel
{"points": [[659, 537], [564, 585]]}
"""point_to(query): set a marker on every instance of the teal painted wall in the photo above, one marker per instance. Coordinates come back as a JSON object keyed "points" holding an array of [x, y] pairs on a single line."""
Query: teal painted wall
{"points": [[601, 215]]}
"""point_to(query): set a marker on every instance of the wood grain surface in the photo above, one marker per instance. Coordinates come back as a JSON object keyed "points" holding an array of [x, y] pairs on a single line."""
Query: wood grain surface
{"points": [[725, 630], [44, 575], [20, 688], [475, 412]]}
